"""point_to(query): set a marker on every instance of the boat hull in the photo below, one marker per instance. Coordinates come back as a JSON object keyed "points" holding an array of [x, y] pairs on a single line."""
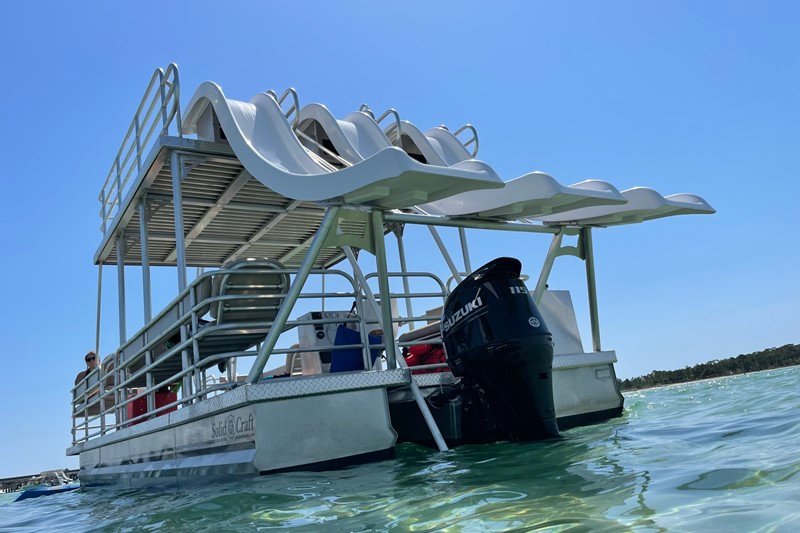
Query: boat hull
{"points": [[246, 432]]}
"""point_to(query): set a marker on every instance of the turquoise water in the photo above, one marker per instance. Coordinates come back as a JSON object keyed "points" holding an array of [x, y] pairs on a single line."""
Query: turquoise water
{"points": [[719, 455]]}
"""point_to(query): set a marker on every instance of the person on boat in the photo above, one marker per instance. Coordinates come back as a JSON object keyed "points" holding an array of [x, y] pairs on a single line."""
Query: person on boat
{"points": [[91, 363]]}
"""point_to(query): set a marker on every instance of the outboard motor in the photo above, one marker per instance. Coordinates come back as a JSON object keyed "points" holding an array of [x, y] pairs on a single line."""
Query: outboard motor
{"points": [[498, 343]]}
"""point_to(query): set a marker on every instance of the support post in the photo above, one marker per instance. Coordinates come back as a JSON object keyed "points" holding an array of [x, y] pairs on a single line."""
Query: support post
{"points": [[383, 288], [147, 305], [151, 395], [282, 316], [362, 326], [199, 384], [449, 260], [547, 267], [177, 207], [121, 289], [119, 373], [421, 403], [176, 167], [99, 309], [588, 254], [462, 234], [145, 247], [401, 251]]}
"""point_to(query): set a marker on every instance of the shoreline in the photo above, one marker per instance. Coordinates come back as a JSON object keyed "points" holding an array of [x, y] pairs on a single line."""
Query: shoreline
{"points": [[704, 379]]}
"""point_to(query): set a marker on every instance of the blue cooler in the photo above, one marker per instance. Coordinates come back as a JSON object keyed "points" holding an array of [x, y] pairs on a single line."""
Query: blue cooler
{"points": [[350, 359]]}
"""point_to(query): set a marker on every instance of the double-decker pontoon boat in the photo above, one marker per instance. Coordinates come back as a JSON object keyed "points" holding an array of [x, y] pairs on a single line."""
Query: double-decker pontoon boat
{"points": [[277, 205]]}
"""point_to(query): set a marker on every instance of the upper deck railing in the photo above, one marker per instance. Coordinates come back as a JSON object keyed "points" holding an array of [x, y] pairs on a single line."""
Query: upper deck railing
{"points": [[158, 109]]}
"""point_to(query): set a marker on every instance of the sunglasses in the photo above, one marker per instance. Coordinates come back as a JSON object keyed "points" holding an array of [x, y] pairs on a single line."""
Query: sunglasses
{"points": [[90, 359]]}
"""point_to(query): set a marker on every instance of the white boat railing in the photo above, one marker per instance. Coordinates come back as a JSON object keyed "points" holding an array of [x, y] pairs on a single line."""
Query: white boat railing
{"points": [[158, 108], [100, 407]]}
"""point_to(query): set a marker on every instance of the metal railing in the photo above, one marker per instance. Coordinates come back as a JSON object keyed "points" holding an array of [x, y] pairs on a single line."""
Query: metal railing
{"points": [[471, 140], [158, 108], [397, 125], [101, 398], [295, 107], [99, 408]]}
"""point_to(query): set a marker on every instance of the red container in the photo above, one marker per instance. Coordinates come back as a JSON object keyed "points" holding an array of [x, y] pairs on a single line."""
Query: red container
{"points": [[139, 406]]}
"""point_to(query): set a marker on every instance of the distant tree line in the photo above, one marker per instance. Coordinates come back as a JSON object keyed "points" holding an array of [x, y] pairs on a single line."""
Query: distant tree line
{"points": [[764, 360]]}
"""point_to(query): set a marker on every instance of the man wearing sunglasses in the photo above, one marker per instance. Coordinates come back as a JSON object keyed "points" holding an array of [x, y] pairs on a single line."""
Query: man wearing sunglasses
{"points": [[91, 364]]}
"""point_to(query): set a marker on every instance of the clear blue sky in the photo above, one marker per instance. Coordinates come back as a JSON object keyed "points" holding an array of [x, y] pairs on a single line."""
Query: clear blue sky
{"points": [[682, 96]]}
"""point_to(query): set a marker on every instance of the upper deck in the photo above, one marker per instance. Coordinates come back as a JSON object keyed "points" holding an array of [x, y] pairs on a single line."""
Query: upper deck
{"points": [[226, 212]]}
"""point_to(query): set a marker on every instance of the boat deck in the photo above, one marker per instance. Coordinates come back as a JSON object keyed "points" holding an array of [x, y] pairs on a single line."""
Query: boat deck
{"points": [[227, 214]]}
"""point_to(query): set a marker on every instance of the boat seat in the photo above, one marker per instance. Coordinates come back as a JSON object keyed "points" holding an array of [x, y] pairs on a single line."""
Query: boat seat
{"points": [[235, 324], [430, 331]]}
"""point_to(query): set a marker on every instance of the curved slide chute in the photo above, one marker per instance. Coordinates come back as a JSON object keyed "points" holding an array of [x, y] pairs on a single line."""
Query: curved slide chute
{"points": [[358, 136], [530, 195], [642, 204], [264, 142]]}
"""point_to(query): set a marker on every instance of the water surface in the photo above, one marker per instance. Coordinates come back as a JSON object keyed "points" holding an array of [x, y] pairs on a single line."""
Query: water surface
{"points": [[707, 456]]}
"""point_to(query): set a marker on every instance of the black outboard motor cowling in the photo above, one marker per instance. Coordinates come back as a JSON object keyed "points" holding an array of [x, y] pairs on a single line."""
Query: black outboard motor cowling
{"points": [[497, 341]]}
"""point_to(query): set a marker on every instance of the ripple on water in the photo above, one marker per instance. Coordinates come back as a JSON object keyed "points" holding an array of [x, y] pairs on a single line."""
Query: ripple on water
{"points": [[718, 454]]}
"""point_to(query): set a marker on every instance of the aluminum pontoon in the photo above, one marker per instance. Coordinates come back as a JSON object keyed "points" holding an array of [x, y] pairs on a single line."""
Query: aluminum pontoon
{"points": [[276, 205]]}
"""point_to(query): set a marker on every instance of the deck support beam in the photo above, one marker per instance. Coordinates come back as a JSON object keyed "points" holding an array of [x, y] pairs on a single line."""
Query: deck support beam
{"points": [[383, 288], [588, 253], [380, 311], [176, 167], [401, 251], [462, 235], [99, 309], [282, 316], [547, 267], [119, 373], [121, 289], [449, 260], [145, 249]]}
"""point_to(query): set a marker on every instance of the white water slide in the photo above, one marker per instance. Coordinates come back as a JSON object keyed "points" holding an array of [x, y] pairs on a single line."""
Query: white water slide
{"points": [[265, 143], [318, 157], [358, 136], [642, 204]]}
